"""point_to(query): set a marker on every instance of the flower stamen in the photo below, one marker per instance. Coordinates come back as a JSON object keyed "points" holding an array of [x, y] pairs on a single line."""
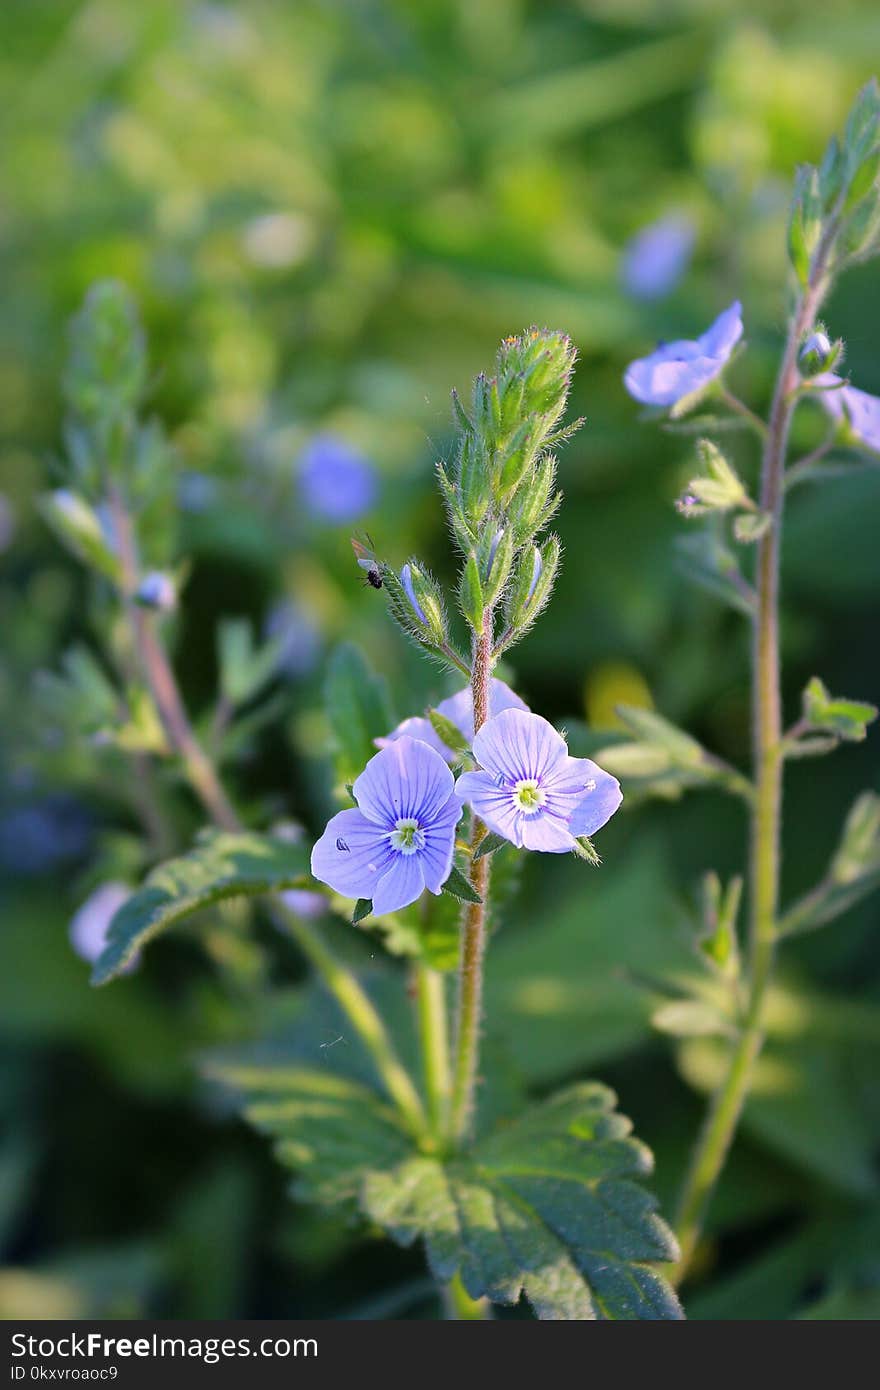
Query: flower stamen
{"points": [[407, 837], [528, 796]]}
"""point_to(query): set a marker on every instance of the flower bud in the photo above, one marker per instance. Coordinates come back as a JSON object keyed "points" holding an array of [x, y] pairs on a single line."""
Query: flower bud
{"points": [[78, 527], [495, 571], [423, 596], [157, 591], [719, 489], [818, 353], [470, 593], [533, 583]]}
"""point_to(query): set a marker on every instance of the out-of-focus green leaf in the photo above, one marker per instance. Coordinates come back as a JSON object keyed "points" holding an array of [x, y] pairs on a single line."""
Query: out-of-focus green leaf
{"points": [[358, 709]]}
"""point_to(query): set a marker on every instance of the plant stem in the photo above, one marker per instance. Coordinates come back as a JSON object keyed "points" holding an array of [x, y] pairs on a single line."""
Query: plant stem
{"points": [[206, 783], [474, 920], [434, 1037], [739, 407], [726, 1107]]}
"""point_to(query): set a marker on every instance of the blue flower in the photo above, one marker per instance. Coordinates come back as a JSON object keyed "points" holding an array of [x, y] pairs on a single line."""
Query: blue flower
{"points": [[657, 257], [299, 639], [861, 410], [530, 790], [459, 710], [400, 840], [681, 368], [337, 484], [91, 923]]}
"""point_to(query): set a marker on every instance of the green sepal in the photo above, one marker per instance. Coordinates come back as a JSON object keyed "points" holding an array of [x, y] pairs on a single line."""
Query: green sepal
{"points": [[459, 887]]}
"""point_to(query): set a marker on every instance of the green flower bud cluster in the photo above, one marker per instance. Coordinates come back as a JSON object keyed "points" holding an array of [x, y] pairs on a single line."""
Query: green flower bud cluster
{"points": [[838, 203], [501, 492]]}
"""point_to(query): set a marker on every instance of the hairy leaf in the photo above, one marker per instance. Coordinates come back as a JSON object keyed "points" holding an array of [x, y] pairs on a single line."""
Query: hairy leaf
{"points": [[222, 865]]}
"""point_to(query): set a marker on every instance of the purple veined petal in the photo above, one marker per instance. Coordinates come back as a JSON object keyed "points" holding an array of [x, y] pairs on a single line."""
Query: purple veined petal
{"points": [[493, 804], [722, 337], [459, 708], [596, 807], [657, 256], [352, 854], [419, 728], [439, 847], [401, 884], [831, 396], [405, 780], [864, 415], [546, 833], [517, 745]]}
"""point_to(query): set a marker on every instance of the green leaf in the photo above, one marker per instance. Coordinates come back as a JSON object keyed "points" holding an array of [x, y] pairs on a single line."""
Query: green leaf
{"points": [[710, 563], [690, 1018], [751, 526], [545, 1206], [665, 761], [78, 527], [459, 887], [362, 908], [586, 850], [222, 865], [853, 873], [244, 667], [848, 719], [357, 707], [331, 1130], [489, 844], [447, 732]]}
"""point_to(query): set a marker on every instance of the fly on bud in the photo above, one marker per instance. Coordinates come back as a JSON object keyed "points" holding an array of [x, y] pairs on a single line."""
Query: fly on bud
{"points": [[374, 570]]}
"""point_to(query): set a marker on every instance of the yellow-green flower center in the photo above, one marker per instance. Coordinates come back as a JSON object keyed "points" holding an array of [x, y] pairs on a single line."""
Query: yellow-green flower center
{"points": [[407, 836], [528, 796]]}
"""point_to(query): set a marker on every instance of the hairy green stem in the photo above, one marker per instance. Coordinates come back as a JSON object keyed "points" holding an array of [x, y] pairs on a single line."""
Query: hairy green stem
{"points": [[726, 1107], [474, 921], [434, 1038], [206, 783]]}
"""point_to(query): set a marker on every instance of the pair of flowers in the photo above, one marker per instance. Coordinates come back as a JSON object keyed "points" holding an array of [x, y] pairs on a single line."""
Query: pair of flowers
{"points": [[687, 366], [400, 839]]}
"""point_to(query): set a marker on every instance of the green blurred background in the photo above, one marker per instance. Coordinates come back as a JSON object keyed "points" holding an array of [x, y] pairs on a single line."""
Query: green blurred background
{"points": [[330, 213]]}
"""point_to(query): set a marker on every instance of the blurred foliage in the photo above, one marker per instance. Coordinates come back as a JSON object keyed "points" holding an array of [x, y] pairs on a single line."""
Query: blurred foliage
{"points": [[331, 212]]}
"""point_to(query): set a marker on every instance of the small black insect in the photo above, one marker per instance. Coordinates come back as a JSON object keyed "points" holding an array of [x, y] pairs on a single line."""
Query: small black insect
{"points": [[366, 558], [341, 845]]}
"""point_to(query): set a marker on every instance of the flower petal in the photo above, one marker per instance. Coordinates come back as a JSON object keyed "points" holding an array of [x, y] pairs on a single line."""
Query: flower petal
{"points": [[419, 728], [406, 779], [517, 745], [546, 833], [724, 334], [460, 708], [493, 804], [402, 882], [598, 806], [436, 854], [352, 854]]}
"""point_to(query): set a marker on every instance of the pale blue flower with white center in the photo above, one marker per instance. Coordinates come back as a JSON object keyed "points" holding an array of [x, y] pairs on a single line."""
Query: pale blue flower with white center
{"points": [[459, 710], [90, 925], [859, 408], [686, 366], [400, 839], [530, 790], [657, 257], [337, 484]]}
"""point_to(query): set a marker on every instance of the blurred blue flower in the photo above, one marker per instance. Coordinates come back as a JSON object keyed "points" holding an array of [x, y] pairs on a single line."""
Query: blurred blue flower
{"points": [[400, 840], [861, 410], [303, 903], [337, 484], [90, 924], [40, 837], [300, 638], [459, 709], [530, 790], [157, 590], [657, 257], [685, 366]]}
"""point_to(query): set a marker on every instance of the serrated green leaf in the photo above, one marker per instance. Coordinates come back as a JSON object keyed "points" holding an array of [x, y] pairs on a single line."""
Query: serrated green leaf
{"points": [[222, 865], [545, 1206], [459, 887], [331, 1130], [357, 707]]}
